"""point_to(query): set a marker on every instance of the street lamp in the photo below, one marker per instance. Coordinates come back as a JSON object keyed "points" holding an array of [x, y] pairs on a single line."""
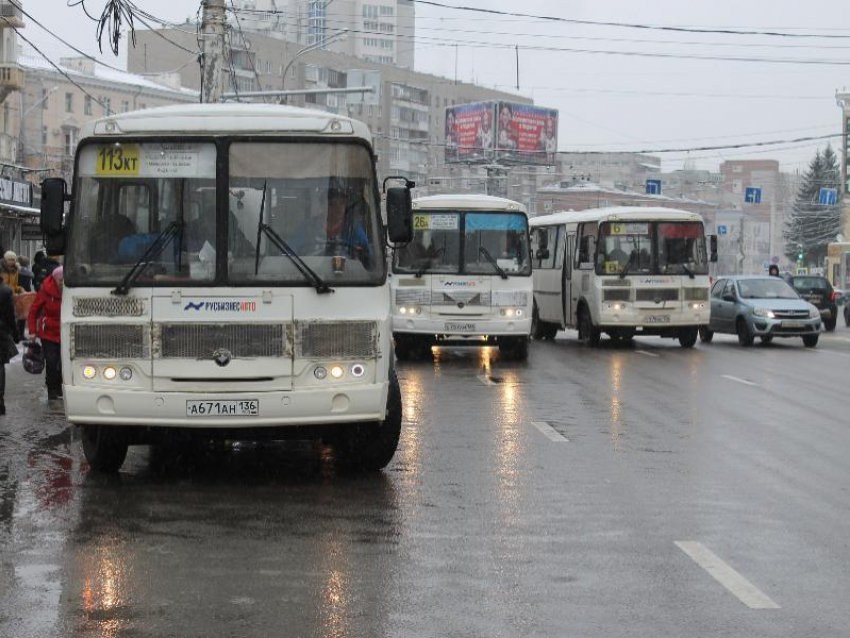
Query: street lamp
{"points": [[308, 49]]}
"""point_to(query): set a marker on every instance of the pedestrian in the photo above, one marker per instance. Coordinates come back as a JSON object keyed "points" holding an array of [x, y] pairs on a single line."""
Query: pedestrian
{"points": [[773, 270], [44, 324], [9, 272], [25, 275], [8, 338], [25, 279], [41, 268]]}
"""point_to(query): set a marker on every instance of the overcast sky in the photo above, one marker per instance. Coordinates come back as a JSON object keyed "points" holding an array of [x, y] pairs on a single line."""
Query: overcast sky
{"points": [[615, 102]]}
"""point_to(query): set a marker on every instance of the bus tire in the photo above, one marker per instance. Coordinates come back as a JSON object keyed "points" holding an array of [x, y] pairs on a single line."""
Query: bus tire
{"points": [[688, 337], [514, 348], [537, 327], [402, 348], [105, 447], [371, 446], [706, 334], [587, 332]]}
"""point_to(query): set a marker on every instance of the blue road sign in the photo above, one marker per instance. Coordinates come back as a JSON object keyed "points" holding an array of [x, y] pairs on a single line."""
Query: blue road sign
{"points": [[653, 187], [828, 197], [722, 230], [753, 196]]}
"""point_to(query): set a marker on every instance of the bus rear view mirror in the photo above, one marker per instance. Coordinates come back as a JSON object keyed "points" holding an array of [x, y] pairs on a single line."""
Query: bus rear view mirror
{"points": [[399, 215], [54, 194], [712, 240]]}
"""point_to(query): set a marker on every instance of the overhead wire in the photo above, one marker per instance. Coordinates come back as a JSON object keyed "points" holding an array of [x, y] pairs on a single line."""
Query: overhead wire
{"points": [[248, 53]]}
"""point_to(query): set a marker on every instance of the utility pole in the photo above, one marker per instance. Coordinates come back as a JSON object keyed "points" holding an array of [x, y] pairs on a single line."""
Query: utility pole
{"points": [[213, 23]]}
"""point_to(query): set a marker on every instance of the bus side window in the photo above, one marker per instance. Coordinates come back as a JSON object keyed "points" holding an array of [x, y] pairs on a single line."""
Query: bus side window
{"points": [[559, 257], [586, 244], [546, 240]]}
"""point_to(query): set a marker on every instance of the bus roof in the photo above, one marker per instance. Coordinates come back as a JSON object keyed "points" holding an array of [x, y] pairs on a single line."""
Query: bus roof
{"points": [[226, 119], [467, 202], [617, 213]]}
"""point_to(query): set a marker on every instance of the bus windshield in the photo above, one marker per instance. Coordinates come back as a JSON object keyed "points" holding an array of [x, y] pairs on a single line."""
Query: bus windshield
{"points": [[319, 199], [667, 248], [448, 242]]}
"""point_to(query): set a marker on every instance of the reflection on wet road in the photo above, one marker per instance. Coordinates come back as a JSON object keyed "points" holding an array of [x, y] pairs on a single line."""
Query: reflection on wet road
{"points": [[481, 526]]}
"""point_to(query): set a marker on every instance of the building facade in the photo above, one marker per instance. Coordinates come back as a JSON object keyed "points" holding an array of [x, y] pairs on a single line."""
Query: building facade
{"points": [[376, 30]]}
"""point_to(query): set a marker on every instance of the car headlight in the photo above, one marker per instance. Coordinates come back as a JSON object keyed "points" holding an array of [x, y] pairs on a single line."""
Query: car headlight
{"points": [[763, 312], [814, 313]]}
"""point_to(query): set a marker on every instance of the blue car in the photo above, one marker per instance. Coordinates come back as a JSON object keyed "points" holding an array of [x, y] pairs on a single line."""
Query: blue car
{"points": [[763, 307]]}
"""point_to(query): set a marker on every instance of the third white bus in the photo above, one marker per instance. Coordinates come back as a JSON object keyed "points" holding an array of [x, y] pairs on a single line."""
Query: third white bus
{"points": [[621, 271]]}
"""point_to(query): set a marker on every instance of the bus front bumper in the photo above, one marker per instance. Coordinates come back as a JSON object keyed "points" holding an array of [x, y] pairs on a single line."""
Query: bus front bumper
{"points": [[627, 316], [464, 326], [340, 404]]}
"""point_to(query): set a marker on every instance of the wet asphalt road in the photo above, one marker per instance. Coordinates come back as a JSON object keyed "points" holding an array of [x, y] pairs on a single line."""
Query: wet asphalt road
{"points": [[527, 499]]}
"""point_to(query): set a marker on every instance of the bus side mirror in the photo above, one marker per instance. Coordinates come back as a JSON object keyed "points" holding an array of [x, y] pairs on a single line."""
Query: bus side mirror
{"points": [[54, 194], [399, 215], [712, 240]]}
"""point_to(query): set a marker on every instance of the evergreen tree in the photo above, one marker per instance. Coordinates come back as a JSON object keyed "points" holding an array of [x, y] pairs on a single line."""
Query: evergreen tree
{"points": [[811, 225]]}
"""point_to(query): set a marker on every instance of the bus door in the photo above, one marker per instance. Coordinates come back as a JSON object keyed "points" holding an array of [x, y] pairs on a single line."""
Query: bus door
{"points": [[569, 303], [547, 277]]}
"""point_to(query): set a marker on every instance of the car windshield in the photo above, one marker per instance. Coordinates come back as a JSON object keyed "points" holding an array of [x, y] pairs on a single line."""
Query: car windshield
{"points": [[127, 196], [810, 284], [765, 289], [318, 198], [486, 238]]}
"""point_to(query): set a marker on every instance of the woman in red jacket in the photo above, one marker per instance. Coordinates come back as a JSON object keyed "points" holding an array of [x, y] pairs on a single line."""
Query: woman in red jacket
{"points": [[45, 323]]}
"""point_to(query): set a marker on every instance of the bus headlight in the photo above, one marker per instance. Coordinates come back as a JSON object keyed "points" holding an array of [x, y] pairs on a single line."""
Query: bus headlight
{"points": [[511, 312], [701, 306], [337, 372], [411, 310], [89, 372], [125, 373], [358, 370], [109, 373], [320, 373]]}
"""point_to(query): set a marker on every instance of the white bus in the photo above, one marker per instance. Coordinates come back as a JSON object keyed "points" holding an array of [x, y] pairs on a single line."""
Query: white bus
{"points": [[465, 278], [226, 275], [623, 271]]}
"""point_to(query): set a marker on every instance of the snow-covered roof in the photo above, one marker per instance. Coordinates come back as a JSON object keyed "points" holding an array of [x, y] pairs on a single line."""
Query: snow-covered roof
{"points": [[226, 118], [617, 213], [104, 74], [590, 187], [467, 202]]}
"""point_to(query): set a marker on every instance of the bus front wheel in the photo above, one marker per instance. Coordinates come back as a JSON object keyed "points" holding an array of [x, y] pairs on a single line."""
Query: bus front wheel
{"points": [[371, 446], [105, 447], [688, 337], [587, 332], [514, 348]]}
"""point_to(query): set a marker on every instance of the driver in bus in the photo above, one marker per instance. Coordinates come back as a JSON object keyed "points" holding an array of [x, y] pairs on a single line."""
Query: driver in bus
{"points": [[340, 232]]}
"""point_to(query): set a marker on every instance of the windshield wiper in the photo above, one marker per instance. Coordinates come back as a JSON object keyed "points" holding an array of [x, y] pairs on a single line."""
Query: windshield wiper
{"points": [[174, 229], [418, 274], [627, 267], [688, 271], [308, 273], [492, 261]]}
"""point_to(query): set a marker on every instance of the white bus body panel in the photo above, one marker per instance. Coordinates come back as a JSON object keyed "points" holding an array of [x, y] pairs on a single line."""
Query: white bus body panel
{"points": [[285, 386]]}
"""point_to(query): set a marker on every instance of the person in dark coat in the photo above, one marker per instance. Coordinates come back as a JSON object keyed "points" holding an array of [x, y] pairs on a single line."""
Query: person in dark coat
{"points": [[42, 267], [8, 338], [45, 324]]}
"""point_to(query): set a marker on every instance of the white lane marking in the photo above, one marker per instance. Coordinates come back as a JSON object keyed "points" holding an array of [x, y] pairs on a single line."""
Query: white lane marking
{"points": [[723, 573], [550, 432], [739, 380], [647, 354]]}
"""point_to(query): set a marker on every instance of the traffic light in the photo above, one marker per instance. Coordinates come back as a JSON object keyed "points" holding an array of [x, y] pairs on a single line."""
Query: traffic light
{"points": [[800, 257]]}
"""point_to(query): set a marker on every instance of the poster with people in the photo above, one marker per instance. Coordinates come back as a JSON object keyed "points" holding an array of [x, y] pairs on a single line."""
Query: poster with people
{"points": [[469, 132], [526, 134]]}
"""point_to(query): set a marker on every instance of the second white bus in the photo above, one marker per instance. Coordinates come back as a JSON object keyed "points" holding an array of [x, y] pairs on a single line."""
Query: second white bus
{"points": [[465, 279], [622, 271]]}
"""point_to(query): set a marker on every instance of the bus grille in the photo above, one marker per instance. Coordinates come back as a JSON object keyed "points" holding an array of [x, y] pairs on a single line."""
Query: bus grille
{"points": [[201, 340], [695, 294], [337, 340], [616, 294], [110, 341], [108, 307], [464, 297], [657, 295], [413, 297]]}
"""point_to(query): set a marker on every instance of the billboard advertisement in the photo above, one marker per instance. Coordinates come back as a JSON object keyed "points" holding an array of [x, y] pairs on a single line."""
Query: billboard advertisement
{"points": [[526, 134], [469, 132]]}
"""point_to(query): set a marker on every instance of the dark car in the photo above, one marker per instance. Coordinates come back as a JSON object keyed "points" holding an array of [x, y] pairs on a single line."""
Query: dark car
{"points": [[819, 292]]}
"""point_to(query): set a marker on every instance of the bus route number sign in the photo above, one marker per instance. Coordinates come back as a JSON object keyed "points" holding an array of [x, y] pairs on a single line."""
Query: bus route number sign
{"points": [[117, 159], [435, 222], [629, 229]]}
